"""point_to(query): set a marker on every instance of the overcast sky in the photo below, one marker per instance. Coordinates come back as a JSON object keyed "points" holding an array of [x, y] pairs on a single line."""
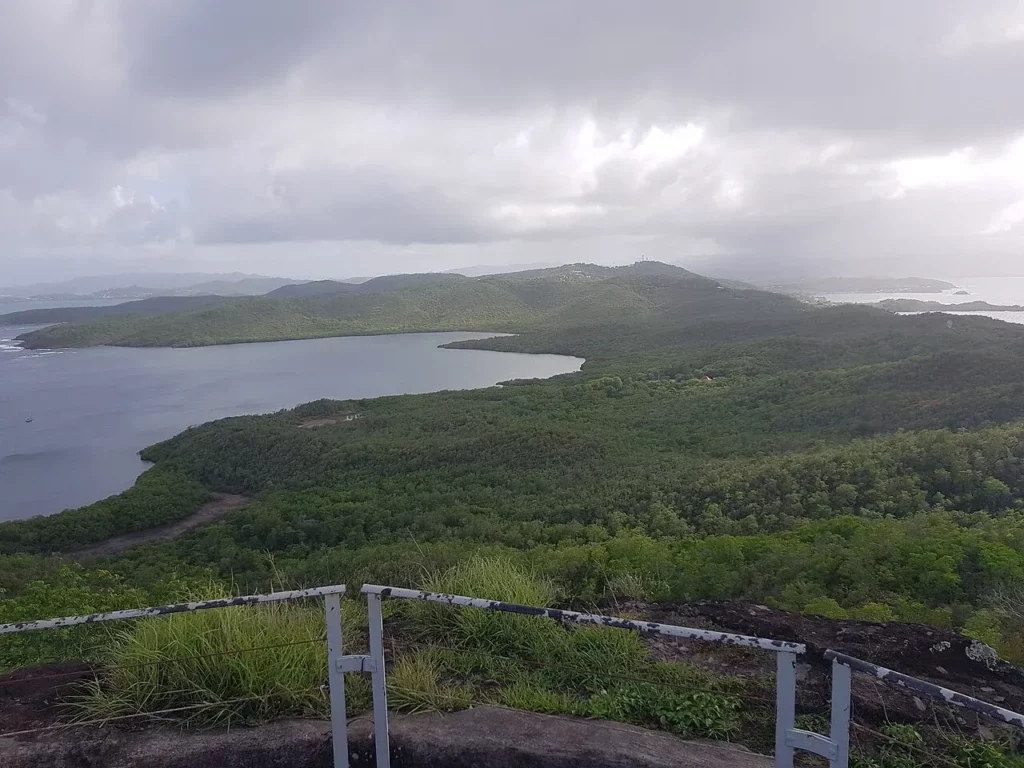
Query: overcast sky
{"points": [[334, 138]]}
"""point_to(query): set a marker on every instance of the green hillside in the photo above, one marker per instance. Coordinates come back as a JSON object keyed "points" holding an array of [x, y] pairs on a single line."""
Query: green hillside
{"points": [[473, 306], [583, 295], [381, 284], [155, 306]]}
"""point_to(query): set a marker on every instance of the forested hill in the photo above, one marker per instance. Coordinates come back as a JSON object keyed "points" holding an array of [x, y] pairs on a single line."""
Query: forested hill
{"points": [[574, 296], [153, 306], [381, 284]]}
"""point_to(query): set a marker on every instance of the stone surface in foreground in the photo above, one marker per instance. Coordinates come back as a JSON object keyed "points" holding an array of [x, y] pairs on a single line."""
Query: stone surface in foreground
{"points": [[484, 737]]}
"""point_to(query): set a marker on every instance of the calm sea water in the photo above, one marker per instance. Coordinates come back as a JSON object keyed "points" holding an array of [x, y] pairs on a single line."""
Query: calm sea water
{"points": [[994, 290], [92, 410]]}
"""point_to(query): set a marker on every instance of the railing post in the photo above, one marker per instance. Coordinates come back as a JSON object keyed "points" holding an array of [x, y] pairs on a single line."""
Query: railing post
{"points": [[839, 732], [785, 707], [381, 740], [336, 680]]}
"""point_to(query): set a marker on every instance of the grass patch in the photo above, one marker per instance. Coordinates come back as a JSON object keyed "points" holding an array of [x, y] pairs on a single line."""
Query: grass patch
{"points": [[225, 667], [525, 662], [493, 578], [414, 685]]}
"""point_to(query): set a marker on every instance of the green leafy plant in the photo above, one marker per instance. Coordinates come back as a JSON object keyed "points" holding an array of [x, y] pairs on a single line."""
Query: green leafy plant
{"points": [[693, 715], [969, 753]]}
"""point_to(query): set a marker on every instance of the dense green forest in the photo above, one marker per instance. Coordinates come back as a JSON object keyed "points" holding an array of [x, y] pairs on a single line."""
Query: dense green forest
{"points": [[701, 411], [399, 304], [718, 443]]}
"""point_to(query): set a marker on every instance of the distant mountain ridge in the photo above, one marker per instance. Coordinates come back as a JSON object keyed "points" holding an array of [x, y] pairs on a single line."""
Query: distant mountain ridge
{"points": [[574, 295], [157, 305], [380, 284], [143, 285], [584, 271]]}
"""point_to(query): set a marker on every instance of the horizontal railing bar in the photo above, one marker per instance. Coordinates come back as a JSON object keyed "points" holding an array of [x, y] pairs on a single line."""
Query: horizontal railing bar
{"points": [[930, 690], [647, 627], [163, 610]]}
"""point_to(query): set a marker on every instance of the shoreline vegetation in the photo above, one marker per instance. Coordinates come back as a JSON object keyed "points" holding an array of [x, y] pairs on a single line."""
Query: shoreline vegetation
{"points": [[840, 461]]}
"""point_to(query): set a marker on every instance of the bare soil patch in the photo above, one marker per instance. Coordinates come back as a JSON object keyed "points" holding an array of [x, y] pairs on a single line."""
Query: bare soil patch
{"points": [[314, 423], [34, 697], [221, 506], [348, 418]]}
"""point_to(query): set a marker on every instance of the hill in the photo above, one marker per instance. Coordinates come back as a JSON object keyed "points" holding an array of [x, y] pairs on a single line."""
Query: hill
{"points": [[135, 284], [582, 271], [381, 284], [576, 296], [187, 303], [576, 309], [312, 288], [154, 306], [470, 306]]}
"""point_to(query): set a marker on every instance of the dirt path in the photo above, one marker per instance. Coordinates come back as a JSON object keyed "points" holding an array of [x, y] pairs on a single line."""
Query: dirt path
{"points": [[222, 505]]}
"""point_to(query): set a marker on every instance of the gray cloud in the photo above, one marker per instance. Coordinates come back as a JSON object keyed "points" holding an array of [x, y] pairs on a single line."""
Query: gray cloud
{"points": [[825, 135]]}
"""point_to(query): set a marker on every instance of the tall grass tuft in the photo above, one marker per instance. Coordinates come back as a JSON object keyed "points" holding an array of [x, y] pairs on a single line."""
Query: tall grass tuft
{"points": [[414, 685], [224, 666], [491, 578]]}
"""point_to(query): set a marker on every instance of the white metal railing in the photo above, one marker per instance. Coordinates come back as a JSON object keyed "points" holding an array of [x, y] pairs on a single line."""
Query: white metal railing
{"points": [[165, 610], [338, 662], [788, 738], [923, 688]]}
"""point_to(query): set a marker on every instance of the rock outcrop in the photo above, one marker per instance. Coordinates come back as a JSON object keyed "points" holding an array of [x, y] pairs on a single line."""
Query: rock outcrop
{"points": [[936, 655], [485, 736]]}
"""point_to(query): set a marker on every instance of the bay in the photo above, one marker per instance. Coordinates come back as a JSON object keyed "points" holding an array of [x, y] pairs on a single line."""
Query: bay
{"points": [[93, 409], [994, 290]]}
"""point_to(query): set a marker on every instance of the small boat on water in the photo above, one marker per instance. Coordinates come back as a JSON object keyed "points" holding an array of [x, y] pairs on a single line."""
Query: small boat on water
{"points": [[28, 420]]}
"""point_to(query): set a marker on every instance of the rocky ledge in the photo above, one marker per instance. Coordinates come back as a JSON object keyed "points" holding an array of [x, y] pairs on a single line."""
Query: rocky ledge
{"points": [[485, 736]]}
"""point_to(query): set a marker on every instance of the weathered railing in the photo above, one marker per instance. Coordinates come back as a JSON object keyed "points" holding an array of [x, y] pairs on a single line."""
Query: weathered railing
{"points": [[922, 688], [788, 738], [338, 662]]}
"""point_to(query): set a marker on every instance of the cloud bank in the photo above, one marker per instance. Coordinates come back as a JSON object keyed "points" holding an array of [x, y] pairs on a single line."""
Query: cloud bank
{"points": [[327, 138]]}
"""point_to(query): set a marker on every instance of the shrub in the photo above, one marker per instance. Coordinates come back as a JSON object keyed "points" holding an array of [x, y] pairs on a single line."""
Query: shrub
{"points": [[73, 592], [873, 612], [827, 607]]}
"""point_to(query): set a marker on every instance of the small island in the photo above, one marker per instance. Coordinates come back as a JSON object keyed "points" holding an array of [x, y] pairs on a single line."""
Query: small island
{"points": [[916, 305], [867, 285]]}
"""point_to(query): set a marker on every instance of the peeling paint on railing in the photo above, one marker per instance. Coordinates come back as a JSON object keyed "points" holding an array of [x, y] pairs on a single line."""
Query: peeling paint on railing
{"points": [[163, 610], [647, 627], [932, 691]]}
